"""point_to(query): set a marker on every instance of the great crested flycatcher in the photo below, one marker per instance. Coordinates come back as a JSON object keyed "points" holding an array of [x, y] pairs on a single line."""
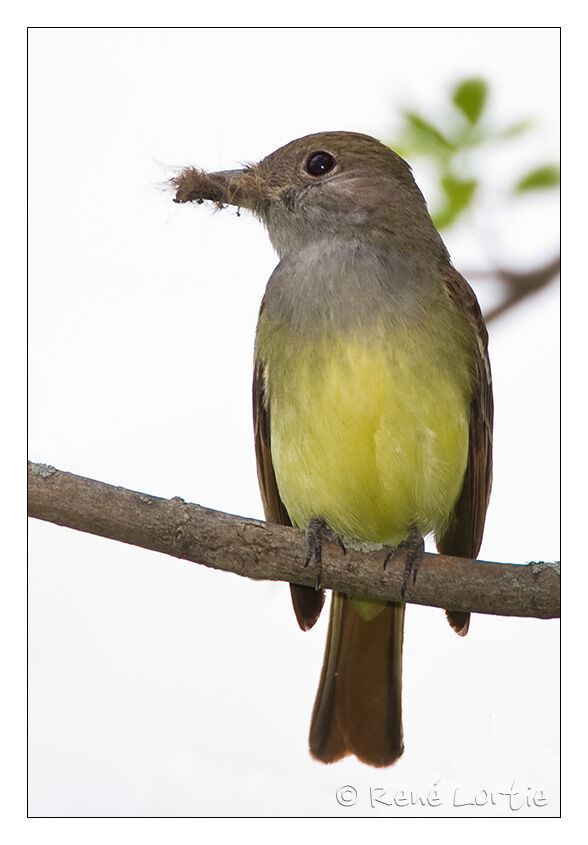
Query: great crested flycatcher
{"points": [[372, 399]]}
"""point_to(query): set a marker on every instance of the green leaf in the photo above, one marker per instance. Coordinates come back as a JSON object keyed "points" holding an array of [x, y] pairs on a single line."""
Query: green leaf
{"points": [[458, 196], [514, 129], [458, 191], [546, 176], [470, 98], [400, 148], [427, 136]]}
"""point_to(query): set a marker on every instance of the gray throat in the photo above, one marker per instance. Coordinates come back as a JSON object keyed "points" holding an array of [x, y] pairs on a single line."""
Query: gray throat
{"points": [[344, 284]]}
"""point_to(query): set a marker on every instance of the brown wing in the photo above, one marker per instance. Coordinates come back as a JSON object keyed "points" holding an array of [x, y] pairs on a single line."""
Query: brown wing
{"points": [[463, 535], [307, 601]]}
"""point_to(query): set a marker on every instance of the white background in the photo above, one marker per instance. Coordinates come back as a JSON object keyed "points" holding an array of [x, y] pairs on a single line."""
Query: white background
{"points": [[158, 687]]}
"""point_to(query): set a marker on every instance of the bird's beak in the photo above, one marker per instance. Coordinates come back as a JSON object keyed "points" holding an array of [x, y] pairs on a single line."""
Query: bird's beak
{"points": [[242, 188]]}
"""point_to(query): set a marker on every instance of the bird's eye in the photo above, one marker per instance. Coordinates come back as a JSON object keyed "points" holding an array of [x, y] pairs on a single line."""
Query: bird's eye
{"points": [[319, 163]]}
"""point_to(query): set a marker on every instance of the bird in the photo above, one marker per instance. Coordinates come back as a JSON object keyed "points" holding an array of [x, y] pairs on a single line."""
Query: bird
{"points": [[372, 401]]}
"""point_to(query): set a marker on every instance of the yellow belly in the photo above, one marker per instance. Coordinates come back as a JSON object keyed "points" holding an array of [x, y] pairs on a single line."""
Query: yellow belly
{"points": [[370, 435]]}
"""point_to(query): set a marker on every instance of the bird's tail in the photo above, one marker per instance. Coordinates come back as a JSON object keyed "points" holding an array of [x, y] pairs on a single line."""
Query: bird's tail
{"points": [[358, 706]]}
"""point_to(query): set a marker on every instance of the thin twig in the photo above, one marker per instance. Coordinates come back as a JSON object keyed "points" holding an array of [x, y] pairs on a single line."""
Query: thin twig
{"points": [[519, 285]]}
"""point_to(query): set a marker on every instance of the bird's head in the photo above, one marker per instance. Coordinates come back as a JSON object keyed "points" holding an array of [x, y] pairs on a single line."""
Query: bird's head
{"points": [[326, 185]]}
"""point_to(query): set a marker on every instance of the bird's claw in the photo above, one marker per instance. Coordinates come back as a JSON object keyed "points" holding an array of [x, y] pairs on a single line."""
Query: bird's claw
{"points": [[414, 548], [317, 531]]}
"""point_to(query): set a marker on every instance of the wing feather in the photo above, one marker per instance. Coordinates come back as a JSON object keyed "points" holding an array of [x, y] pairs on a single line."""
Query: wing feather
{"points": [[307, 601], [463, 534]]}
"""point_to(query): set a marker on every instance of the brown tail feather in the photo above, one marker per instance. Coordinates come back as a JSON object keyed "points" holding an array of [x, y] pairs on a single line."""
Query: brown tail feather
{"points": [[358, 705], [307, 603], [459, 621]]}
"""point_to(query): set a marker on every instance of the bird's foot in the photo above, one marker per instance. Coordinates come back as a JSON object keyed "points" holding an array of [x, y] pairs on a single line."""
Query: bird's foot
{"points": [[317, 532], [414, 549]]}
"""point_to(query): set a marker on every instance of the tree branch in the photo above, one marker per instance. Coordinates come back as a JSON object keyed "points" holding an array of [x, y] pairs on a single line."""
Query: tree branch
{"points": [[263, 550], [519, 285]]}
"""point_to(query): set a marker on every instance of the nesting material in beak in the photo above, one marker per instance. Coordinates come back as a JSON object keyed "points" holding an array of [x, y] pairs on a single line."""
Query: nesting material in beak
{"points": [[242, 188]]}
